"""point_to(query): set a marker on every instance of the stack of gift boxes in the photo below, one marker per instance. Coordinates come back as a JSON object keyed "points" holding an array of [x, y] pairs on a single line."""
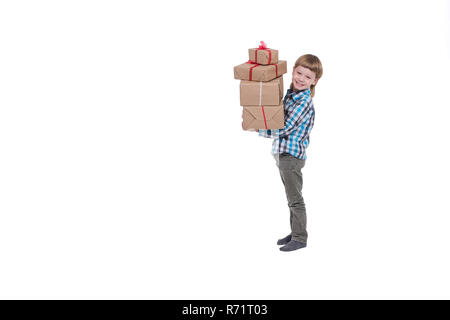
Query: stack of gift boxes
{"points": [[261, 89]]}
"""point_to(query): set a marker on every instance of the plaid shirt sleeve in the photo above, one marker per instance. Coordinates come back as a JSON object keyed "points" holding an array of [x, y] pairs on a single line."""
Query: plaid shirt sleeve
{"points": [[293, 120]]}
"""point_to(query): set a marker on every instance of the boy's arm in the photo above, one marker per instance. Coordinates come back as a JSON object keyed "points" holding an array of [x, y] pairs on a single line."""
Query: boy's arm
{"points": [[294, 118]]}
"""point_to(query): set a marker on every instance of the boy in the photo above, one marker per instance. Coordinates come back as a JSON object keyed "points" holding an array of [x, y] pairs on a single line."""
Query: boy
{"points": [[290, 143]]}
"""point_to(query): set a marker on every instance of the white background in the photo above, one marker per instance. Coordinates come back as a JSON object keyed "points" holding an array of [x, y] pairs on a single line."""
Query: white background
{"points": [[125, 173]]}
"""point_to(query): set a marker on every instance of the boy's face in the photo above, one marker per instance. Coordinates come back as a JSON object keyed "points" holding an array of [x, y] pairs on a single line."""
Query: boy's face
{"points": [[303, 78]]}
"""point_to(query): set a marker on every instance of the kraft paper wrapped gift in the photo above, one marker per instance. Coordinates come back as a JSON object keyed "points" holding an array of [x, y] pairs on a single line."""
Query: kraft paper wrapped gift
{"points": [[263, 55], [258, 72], [263, 117], [261, 93]]}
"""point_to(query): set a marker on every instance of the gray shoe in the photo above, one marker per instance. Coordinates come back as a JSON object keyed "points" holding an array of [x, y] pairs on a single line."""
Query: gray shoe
{"points": [[293, 245], [284, 240]]}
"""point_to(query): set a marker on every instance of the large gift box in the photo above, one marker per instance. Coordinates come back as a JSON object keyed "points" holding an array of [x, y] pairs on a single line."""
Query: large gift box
{"points": [[263, 55], [255, 93], [257, 72], [263, 117]]}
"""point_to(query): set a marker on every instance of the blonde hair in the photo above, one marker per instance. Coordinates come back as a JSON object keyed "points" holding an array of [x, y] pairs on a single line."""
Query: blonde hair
{"points": [[312, 63]]}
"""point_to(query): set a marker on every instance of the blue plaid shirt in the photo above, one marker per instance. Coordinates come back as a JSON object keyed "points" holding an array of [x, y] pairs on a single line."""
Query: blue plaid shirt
{"points": [[299, 121]]}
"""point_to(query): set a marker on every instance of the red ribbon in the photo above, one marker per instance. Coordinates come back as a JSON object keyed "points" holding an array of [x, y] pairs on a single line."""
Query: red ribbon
{"points": [[251, 69], [264, 115]]}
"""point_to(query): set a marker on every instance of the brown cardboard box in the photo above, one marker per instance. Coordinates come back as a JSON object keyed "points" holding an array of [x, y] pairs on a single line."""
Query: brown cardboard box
{"points": [[263, 56], [253, 117], [269, 92], [259, 72]]}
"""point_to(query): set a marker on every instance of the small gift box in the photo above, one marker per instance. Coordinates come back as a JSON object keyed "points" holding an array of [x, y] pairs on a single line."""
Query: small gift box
{"points": [[263, 55]]}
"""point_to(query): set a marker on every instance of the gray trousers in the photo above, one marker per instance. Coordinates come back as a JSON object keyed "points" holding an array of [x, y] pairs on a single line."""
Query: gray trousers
{"points": [[291, 175]]}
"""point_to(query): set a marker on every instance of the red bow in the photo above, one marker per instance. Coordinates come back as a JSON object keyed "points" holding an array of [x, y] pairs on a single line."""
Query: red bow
{"points": [[262, 45]]}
